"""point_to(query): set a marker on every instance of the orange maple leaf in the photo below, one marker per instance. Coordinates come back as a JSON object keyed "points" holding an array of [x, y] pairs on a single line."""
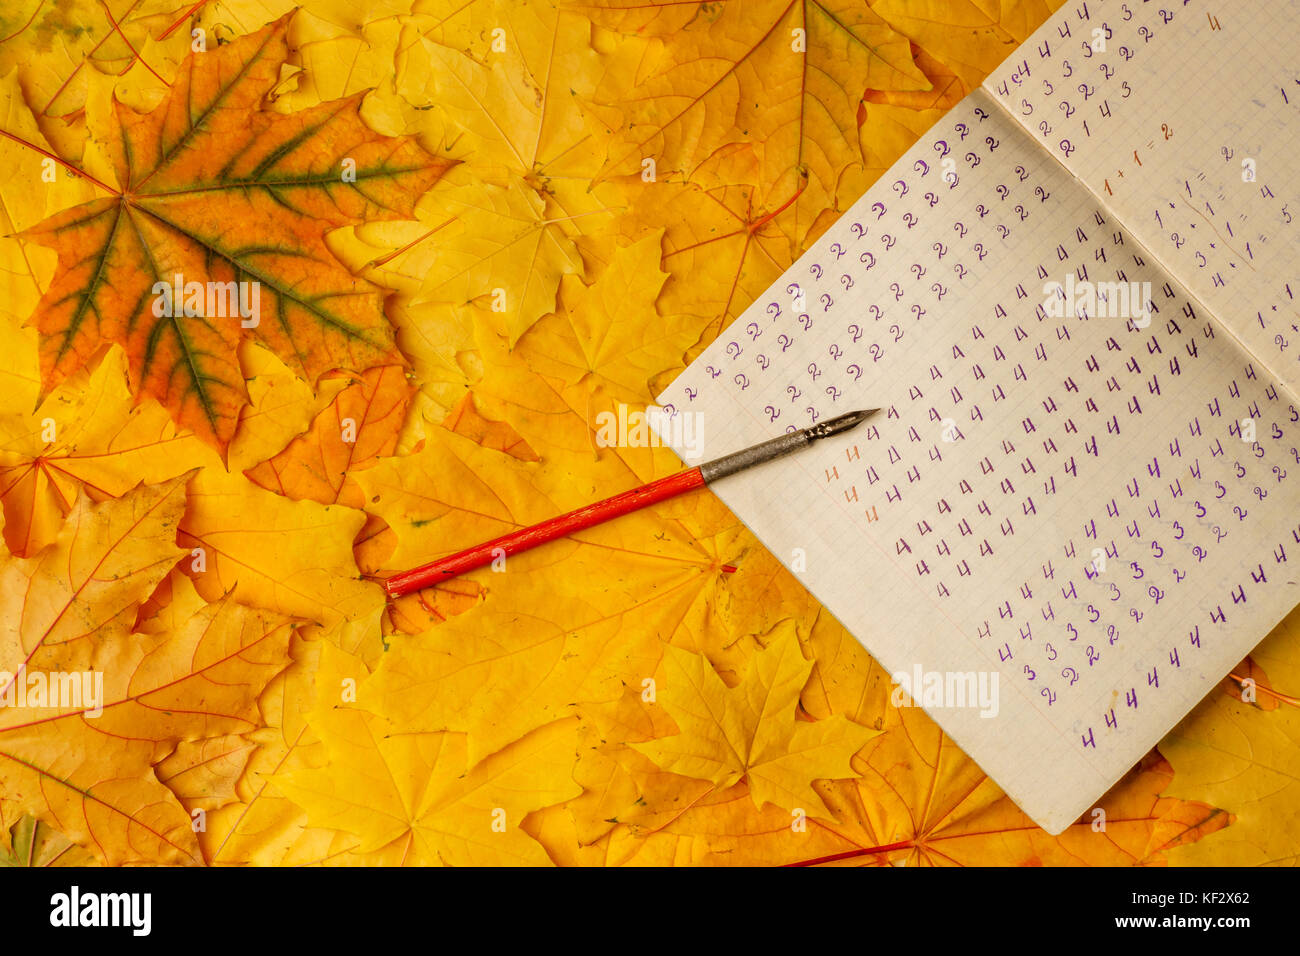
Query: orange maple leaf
{"points": [[215, 233], [359, 426]]}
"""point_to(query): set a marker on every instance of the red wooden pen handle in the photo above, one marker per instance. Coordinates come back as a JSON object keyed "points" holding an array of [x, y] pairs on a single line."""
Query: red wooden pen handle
{"points": [[593, 514]]}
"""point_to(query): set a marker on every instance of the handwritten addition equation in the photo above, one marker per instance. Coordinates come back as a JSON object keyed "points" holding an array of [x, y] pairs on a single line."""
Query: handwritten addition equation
{"points": [[1206, 221], [1009, 407]]}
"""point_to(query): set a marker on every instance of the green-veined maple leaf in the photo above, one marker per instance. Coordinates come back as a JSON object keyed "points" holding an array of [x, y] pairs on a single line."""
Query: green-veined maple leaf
{"points": [[216, 190]]}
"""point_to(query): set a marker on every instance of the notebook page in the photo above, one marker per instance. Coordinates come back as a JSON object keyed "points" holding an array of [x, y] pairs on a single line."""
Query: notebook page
{"points": [[1184, 119], [1060, 503]]}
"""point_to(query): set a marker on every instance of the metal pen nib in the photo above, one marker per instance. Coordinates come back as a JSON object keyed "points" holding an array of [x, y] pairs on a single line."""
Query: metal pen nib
{"points": [[783, 445], [834, 426]]}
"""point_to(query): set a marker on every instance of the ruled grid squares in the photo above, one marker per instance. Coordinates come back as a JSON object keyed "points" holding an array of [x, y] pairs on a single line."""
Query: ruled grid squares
{"points": [[1033, 761], [1254, 117]]}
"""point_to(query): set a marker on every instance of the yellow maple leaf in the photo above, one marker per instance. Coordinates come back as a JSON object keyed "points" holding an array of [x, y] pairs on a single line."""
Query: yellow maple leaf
{"points": [[750, 731], [360, 425], [505, 98], [25, 206], [609, 335], [203, 773], [86, 434], [294, 557], [509, 93], [90, 707], [416, 792], [503, 247], [281, 408], [722, 246], [263, 826], [421, 796], [496, 672], [784, 74], [78, 39], [970, 36]]}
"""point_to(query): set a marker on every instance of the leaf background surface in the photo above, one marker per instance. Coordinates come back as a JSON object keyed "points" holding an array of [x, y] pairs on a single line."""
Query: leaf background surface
{"points": [[206, 528]]}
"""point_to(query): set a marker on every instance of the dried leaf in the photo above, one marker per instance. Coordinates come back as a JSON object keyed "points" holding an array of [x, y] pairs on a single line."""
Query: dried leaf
{"points": [[466, 420], [785, 75], [80, 756], [750, 731], [420, 795], [86, 435], [361, 425], [293, 557], [215, 191]]}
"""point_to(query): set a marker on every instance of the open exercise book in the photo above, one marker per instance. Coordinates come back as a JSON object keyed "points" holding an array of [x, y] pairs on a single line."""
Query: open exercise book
{"points": [[1075, 299]]}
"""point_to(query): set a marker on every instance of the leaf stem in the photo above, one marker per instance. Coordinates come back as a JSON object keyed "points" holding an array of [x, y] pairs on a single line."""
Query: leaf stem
{"points": [[62, 162], [1294, 702], [850, 854]]}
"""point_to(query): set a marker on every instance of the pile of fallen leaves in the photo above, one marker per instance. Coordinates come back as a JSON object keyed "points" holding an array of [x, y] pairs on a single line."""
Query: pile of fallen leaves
{"points": [[475, 227]]}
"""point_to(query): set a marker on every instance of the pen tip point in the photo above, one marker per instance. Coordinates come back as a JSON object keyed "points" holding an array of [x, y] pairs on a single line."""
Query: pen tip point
{"points": [[843, 423]]}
